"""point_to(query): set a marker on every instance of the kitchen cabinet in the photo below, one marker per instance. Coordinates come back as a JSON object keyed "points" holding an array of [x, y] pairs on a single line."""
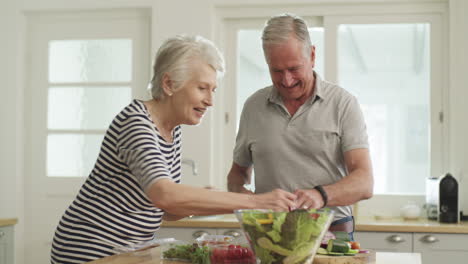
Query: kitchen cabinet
{"points": [[440, 248], [387, 242], [435, 248], [6, 245], [183, 233], [189, 234], [236, 233]]}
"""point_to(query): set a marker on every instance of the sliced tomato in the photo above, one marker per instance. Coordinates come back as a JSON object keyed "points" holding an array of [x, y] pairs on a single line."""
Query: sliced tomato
{"points": [[355, 245]]}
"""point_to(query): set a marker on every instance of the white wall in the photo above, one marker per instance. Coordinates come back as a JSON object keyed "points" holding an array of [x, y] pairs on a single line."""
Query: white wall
{"points": [[458, 89], [169, 18], [11, 116]]}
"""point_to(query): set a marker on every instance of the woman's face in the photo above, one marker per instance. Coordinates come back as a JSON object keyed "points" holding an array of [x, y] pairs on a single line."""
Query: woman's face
{"points": [[193, 99]]}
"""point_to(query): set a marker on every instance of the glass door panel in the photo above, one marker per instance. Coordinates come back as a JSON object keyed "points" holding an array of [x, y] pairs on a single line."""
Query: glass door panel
{"points": [[387, 67]]}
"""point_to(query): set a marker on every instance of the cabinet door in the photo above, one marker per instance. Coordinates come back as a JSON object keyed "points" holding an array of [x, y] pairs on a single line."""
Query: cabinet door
{"points": [[383, 241], [183, 233], [441, 248], [235, 232], [6, 245]]}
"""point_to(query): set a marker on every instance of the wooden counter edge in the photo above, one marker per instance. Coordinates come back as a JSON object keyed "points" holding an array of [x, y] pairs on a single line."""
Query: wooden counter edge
{"points": [[8, 221], [412, 228], [369, 227]]}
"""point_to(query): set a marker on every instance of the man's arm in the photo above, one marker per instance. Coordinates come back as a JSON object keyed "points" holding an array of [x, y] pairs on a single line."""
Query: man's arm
{"points": [[357, 185], [237, 177]]}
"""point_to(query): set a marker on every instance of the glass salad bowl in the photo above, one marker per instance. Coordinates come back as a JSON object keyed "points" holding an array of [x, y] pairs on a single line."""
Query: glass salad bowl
{"points": [[285, 237]]}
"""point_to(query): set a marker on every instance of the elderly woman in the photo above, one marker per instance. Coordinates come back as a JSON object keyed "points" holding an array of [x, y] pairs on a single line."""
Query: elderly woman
{"points": [[135, 183]]}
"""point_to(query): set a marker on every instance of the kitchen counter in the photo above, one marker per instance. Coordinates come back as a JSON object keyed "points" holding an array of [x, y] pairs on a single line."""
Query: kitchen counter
{"points": [[362, 224], [8, 221], [153, 256]]}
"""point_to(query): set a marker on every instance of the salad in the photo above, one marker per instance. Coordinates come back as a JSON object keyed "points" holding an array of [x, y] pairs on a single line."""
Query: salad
{"points": [[285, 237]]}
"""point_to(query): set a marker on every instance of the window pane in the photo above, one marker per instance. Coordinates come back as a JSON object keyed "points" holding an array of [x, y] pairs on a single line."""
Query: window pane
{"points": [[85, 107], [108, 60], [387, 67], [253, 70], [72, 155]]}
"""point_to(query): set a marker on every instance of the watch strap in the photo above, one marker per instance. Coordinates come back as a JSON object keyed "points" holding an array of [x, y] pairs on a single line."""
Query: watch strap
{"points": [[322, 192]]}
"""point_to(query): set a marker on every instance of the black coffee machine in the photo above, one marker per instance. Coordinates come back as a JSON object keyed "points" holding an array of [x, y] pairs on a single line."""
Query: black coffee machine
{"points": [[448, 199]]}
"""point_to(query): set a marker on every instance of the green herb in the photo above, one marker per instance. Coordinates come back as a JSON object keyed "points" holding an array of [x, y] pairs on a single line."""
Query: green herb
{"points": [[192, 253]]}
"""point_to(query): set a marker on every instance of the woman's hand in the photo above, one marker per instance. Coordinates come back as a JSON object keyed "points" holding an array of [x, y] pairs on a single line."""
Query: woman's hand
{"points": [[277, 200]]}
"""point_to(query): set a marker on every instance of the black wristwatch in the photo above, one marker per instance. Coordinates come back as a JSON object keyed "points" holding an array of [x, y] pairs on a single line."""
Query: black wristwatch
{"points": [[322, 192]]}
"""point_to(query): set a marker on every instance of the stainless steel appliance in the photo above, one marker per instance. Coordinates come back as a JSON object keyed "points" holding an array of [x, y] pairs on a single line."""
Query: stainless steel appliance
{"points": [[432, 198]]}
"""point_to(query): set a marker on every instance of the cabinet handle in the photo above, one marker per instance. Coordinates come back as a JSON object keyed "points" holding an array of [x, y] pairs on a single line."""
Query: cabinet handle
{"points": [[2, 234], [199, 233], [429, 239], [395, 239], [232, 233]]}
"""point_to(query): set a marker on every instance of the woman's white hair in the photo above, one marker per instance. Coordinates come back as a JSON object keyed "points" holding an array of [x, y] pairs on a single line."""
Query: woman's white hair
{"points": [[281, 28], [174, 58]]}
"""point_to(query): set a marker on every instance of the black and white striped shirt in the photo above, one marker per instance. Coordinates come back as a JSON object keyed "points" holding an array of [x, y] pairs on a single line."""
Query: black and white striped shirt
{"points": [[112, 208]]}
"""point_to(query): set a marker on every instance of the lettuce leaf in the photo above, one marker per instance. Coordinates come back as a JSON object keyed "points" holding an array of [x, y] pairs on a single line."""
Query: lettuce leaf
{"points": [[275, 233], [298, 228]]}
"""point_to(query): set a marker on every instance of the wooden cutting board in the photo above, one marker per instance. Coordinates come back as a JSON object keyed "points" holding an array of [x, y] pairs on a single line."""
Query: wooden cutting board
{"points": [[367, 258]]}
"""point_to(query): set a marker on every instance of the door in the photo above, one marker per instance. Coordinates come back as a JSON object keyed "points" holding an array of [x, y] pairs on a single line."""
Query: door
{"points": [[82, 72]]}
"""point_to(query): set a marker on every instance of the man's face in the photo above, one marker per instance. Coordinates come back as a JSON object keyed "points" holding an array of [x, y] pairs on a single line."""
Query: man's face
{"points": [[290, 70]]}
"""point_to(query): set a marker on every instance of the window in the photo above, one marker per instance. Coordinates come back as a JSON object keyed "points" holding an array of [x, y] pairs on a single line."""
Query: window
{"points": [[89, 82], [391, 63], [84, 73], [387, 67]]}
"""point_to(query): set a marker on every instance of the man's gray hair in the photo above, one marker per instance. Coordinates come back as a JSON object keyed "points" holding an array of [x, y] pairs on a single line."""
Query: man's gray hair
{"points": [[281, 28], [174, 57]]}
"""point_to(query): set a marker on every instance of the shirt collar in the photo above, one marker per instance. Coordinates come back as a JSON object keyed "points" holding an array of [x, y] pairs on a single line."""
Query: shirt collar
{"points": [[275, 97]]}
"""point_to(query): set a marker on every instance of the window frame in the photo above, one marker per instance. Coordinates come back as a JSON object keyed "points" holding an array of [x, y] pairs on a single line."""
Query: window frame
{"points": [[229, 19], [75, 25]]}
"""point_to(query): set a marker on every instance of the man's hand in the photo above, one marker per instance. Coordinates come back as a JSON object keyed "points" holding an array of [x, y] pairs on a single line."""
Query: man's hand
{"points": [[307, 199]]}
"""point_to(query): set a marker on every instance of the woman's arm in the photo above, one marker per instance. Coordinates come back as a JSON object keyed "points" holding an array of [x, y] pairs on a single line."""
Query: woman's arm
{"points": [[184, 200], [171, 217]]}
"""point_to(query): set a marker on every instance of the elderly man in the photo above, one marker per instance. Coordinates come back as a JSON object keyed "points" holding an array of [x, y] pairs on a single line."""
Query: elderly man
{"points": [[302, 134]]}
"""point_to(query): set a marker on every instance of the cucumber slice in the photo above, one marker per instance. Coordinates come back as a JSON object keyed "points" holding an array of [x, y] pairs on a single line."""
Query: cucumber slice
{"points": [[337, 245], [353, 251], [322, 251], [349, 254], [335, 254]]}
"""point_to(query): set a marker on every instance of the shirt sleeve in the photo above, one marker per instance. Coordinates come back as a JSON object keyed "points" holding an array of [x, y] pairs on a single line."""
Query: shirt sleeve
{"points": [[138, 147], [242, 153], [353, 126]]}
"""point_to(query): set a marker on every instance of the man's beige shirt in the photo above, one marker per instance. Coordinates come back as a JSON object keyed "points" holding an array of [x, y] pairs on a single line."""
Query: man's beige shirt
{"points": [[303, 150]]}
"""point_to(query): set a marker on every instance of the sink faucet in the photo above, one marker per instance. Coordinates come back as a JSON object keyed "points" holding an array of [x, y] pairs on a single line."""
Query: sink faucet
{"points": [[192, 164]]}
